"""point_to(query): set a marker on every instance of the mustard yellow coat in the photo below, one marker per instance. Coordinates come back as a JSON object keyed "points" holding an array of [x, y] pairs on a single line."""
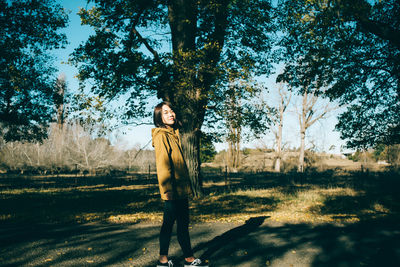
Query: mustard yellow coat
{"points": [[172, 172]]}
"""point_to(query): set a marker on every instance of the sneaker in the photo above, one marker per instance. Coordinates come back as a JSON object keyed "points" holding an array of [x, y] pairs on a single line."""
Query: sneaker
{"points": [[165, 264], [197, 262]]}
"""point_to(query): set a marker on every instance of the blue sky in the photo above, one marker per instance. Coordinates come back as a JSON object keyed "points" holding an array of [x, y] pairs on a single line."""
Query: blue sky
{"points": [[77, 34], [321, 133]]}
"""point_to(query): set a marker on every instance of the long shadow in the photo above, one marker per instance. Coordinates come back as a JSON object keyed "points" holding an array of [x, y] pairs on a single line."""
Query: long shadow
{"points": [[232, 235], [369, 243], [207, 249]]}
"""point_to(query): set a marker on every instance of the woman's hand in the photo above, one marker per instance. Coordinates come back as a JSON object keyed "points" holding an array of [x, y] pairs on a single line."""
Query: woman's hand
{"points": [[169, 195]]}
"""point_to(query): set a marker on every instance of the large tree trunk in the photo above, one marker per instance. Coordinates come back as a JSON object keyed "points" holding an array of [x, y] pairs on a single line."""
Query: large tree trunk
{"points": [[191, 83], [185, 96], [191, 151]]}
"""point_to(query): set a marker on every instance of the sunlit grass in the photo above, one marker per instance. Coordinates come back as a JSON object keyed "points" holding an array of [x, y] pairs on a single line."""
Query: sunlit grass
{"points": [[133, 201], [280, 205], [294, 206]]}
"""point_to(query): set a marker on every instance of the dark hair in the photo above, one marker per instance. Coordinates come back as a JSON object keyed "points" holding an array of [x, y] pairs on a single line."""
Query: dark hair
{"points": [[157, 115]]}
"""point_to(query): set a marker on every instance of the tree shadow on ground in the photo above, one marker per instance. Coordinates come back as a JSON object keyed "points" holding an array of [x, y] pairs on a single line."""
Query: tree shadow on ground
{"points": [[212, 246], [258, 242], [372, 243], [72, 244]]}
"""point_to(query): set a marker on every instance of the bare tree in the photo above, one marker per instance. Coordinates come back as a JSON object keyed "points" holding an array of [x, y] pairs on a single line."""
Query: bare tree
{"points": [[284, 100], [138, 158], [88, 153], [312, 110], [11, 156], [65, 148], [130, 157], [233, 155], [234, 124], [245, 115], [58, 144]]}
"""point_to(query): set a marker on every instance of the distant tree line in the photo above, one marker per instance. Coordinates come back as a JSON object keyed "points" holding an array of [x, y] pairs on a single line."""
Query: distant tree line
{"points": [[71, 149]]}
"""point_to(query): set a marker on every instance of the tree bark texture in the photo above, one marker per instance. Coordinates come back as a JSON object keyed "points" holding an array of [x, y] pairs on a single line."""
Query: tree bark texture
{"points": [[191, 151]]}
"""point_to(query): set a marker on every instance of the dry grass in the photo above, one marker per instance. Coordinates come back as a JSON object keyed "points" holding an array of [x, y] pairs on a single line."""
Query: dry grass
{"points": [[317, 198], [303, 205]]}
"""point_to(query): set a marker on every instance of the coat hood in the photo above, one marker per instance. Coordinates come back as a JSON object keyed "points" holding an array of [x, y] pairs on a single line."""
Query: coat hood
{"points": [[157, 131]]}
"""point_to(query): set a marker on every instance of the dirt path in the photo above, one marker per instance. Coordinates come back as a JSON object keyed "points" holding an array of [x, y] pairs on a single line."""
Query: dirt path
{"points": [[259, 242]]}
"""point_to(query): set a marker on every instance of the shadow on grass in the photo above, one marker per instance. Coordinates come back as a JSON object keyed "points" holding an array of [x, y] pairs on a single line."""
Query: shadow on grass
{"points": [[62, 200], [376, 195], [227, 205], [81, 199]]}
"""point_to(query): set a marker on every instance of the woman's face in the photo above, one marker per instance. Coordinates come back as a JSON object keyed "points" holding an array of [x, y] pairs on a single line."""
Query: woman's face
{"points": [[168, 115]]}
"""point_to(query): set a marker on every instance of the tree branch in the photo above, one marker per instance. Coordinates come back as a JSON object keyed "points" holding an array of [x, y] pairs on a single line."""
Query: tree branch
{"points": [[146, 43], [140, 37], [327, 109], [382, 30]]}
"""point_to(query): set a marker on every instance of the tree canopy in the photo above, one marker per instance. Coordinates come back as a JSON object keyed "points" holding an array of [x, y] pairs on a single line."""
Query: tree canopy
{"points": [[29, 29], [177, 50], [352, 50], [171, 49]]}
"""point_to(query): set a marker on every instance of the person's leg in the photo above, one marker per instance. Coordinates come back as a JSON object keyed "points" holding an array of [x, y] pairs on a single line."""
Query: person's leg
{"points": [[166, 229], [182, 220]]}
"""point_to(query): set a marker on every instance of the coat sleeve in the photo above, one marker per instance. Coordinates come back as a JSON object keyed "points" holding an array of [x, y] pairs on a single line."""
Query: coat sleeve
{"points": [[163, 163]]}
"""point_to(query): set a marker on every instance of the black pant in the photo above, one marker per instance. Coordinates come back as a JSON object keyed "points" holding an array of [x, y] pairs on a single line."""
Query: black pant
{"points": [[176, 210]]}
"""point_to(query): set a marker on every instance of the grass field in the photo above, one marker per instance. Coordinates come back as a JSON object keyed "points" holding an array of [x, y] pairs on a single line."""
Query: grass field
{"points": [[320, 197]]}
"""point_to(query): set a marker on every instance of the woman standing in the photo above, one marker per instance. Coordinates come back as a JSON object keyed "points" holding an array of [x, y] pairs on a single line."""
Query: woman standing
{"points": [[174, 184]]}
